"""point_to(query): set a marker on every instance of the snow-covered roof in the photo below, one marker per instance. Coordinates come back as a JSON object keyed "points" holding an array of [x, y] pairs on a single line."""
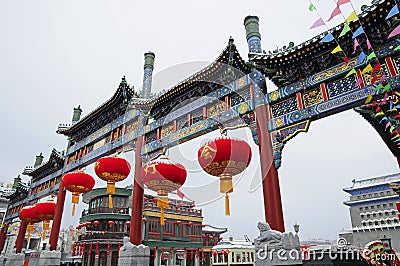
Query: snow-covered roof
{"points": [[213, 229], [374, 181], [236, 244]]}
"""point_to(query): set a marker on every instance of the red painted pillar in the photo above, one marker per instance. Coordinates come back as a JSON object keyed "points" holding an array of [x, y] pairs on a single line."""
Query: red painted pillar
{"points": [[3, 235], [55, 229], [137, 197], [398, 161], [270, 181], [21, 236]]}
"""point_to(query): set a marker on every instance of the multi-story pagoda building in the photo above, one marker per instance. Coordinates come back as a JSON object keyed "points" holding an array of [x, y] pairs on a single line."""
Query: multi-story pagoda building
{"points": [[373, 211], [182, 240]]}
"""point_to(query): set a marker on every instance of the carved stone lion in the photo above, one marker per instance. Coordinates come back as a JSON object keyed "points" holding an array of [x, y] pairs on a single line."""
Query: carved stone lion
{"points": [[267, 234], [127, 244]]}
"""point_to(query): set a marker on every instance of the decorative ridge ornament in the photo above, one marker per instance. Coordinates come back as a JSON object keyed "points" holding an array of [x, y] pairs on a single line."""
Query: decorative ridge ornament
{"points": [[112, 169], [163, 176], [77, 182], [225, 157]]}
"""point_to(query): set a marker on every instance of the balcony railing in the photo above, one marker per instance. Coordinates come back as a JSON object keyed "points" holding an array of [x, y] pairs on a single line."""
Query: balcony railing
{"points": [[102, 235], [173, 210], [105, 210]]}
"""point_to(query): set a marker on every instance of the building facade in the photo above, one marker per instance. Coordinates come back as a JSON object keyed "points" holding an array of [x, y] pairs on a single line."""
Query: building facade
{"points": [[182, 240], [373, 211]]}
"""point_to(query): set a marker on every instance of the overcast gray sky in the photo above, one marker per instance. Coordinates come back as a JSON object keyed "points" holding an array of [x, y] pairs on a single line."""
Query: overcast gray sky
{"points": [[55, 55]]}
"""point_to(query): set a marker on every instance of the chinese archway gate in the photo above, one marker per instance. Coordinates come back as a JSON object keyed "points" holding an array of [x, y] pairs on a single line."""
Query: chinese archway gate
{"points": [[312, 84]]}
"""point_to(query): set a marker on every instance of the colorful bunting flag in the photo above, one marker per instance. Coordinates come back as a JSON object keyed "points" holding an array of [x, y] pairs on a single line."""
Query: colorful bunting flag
{"points": [[380, 86], [351, 72], [367, 69], [355, 45], [180, 194], [311, 7], [346, 29], [335, 12], [346, 59], [387, 125], [392, 12], [352, 17], [361, 58], [337, 49], [369, 98], [386, 88], [395, 32], [358, 32], [358, 83], [369, 46], [328, 38], [371, 55], [397, 48], [376, 68], [374, 79], [317, 23], [342, 2]]}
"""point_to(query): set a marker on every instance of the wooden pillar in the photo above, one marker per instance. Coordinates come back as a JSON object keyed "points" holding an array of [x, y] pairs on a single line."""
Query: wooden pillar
{"points": [[3, 235], [21, 236], [55, 229], [137, 196], [270, 181], [398, 161]]}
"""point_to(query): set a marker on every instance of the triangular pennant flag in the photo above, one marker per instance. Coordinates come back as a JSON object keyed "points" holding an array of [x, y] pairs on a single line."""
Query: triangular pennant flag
{"points": [[385, 98], [358, 83], [180, 194], [328, 38], [335, 12], [374, 79], [382, 78], [397, 48], [386, 88], [352, 17], [387, 125], [358, 31], [337, 49], [353, 71], [367, 69], [311, 7], [376, 68], [391, 129], [380, 86], [394, 32], [317, 23], [371, 55], [346, 59], [369, 46], [369, 98], [361, 58], [355, 45], [346, 29], [342, 2], [384, 119], [392, 12]]}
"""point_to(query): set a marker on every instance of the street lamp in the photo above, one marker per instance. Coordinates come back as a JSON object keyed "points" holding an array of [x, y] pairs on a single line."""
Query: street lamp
{"points": [[296, 228]]}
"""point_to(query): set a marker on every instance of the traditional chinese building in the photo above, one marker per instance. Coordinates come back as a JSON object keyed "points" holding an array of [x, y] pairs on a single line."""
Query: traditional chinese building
{"points": [[182, 240], [373, 211]]}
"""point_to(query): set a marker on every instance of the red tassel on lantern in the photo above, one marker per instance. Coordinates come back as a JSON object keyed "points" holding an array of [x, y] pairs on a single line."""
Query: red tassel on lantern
{"points": [[197, 253], [119, 247], [108, 248], [171, 250], [155, 252], [97, 248], [202, 253], [90, 248]]}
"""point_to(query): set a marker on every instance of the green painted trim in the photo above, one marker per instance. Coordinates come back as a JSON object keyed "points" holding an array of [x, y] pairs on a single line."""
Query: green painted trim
{"points": [[104, 216], [101, 192]]}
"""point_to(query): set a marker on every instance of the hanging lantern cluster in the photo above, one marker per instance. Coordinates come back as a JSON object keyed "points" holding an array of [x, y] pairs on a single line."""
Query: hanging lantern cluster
{"points": [[77, 182], [225, 157], [163, 176], [112, 169], [39, 212]]}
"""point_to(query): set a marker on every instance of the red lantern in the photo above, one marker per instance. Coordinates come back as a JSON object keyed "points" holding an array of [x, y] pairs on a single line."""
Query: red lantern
{"points": [[28, 214], [225, 157], [128, 223], [111, 223], [204, 236], [45, 212], [163, 176], [112, 169], [96, 223], [190, 223], [77, 182], [179, 222], [144, 219]]}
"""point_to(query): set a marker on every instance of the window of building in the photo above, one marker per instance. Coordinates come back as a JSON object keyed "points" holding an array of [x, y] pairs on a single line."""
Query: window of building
{"points": [[391, 204], [375, 194], [366, 208], [374, 214], [384, 205], [380, 214], [382, 193], [361, 208], [378, 206], [389, 221], [364, 224], [372, 207]]}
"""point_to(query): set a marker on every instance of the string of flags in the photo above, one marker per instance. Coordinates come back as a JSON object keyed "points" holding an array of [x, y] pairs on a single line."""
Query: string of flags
{"points": [[373, 69]]}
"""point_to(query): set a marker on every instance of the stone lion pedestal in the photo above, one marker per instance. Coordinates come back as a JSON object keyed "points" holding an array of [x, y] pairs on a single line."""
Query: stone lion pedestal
{"points": [[131, 255], [276, 248], [15, 259]]}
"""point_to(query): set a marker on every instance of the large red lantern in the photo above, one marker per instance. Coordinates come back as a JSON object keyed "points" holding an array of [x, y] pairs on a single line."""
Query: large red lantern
{"points": [[225, 157], [112, 169], [77, 182], [163, 176], [28, 214], [45, 212]]}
